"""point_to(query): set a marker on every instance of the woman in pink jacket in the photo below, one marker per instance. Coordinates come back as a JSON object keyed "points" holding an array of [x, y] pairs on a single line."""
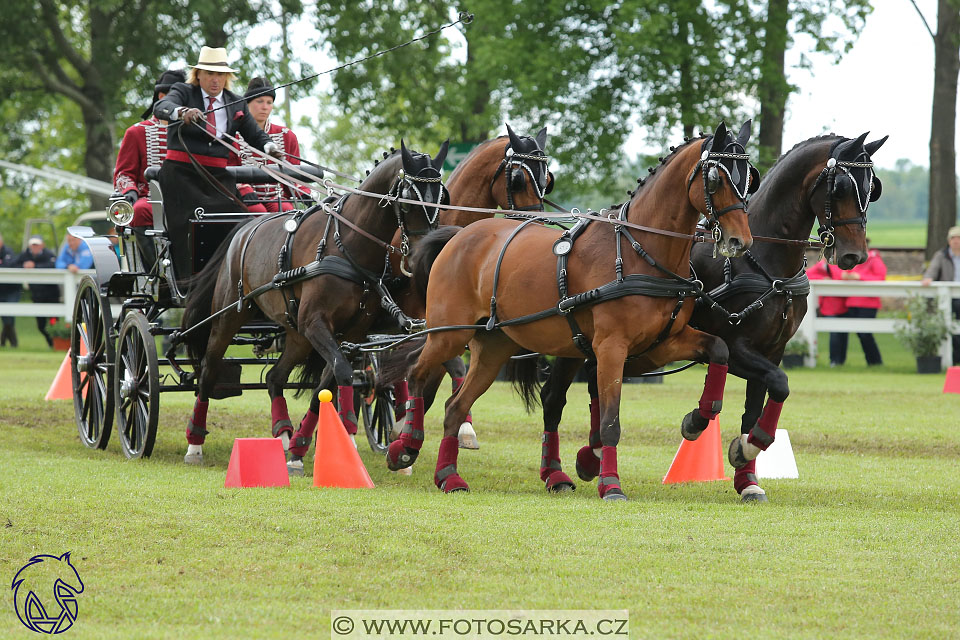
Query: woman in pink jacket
{"points": [[852, 307]]}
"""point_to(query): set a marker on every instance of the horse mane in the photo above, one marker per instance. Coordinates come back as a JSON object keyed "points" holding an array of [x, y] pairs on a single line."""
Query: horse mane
{"points": [[642, 182], [480, 148], [803, 144], [374, 173]]}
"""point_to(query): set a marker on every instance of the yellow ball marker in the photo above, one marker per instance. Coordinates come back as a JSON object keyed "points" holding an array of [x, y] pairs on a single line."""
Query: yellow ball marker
{"points": [[325, 396]]}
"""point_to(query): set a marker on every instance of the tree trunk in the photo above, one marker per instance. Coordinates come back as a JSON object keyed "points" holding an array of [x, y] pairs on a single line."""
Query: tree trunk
{"points": [[773, 88], [687, 92], [943, 172], [99, 156]]}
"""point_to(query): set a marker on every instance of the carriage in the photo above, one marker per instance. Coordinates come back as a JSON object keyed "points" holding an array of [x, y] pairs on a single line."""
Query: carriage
{"points": [[127, 307]]}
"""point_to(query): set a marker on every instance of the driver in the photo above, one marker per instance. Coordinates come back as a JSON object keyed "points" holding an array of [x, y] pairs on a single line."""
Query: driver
{"points": [[194, 173]]}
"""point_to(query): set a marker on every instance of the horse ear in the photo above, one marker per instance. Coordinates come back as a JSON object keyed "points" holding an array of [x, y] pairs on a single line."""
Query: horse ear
{"points": [[877, 186], [405, 154], [754, 180], [441, 155], [851, 145], [744, 135], [514, 140], [872, 147], [719, 138], [65, 556], [541, 138]]}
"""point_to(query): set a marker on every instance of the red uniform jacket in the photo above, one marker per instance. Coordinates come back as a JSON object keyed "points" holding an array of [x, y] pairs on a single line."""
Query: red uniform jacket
{"points": [[144, 145], [287, 141], [872, 269]]}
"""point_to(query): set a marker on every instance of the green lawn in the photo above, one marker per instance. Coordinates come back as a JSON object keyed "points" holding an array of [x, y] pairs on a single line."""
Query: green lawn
{"points": [[863, 545], [884, 233]]}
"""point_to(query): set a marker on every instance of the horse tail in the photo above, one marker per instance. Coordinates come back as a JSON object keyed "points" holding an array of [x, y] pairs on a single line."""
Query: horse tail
{"points": [[524, 373], [425, 254], [395, 363], [201, 287], [311, 373]]}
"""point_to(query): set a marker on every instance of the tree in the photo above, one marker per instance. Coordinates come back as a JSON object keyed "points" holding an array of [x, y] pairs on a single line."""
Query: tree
{"points": [[777, 23], [943, 123]]}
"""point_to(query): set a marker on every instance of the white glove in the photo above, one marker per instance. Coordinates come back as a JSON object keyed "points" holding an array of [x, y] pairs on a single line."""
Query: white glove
{"points": [[271, 149]]}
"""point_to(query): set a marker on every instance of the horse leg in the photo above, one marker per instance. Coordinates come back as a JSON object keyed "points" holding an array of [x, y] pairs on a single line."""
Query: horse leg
{"points": [[588, 457], [745, 478], [711, 400], [748, 446], [296, 350], [611, 354], [467, 437], [488, 353], [553, 397], [300, 442], [438, 348], [222, 331]]}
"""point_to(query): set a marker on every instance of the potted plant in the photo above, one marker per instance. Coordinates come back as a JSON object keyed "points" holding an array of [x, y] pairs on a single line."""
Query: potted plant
{"points": [[794, 353], [59, 331], [923, 329]]}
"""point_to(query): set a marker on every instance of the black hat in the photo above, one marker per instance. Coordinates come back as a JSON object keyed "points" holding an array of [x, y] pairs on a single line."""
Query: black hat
{"points": [[167, 79], [258, 88]]}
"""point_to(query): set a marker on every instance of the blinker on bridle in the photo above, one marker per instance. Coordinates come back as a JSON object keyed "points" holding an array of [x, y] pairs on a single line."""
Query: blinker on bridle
{"points": [[829, 174], [709, 167], [403, 183], [514, 161]]}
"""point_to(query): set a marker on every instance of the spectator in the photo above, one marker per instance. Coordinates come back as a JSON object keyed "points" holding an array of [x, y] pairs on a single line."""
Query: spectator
{"points": [[9, 292], [945, 267], [75, 255], [37, 256], [852, 307]]}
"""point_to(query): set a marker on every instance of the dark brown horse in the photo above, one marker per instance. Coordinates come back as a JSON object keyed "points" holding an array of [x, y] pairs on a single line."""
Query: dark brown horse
{"points": [[644, 314], [345, 253], [508, 172], [827, 178]]}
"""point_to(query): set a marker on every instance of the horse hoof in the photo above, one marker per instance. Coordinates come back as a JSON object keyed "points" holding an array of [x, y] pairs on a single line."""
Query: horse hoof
{"points": [[295, 468], [693, 425], [400, 456], [588, 464], [467, 437], [615, 495], [559, 482], [736, 454], [753, 493], [454, 484], [406, 471], [193, 458]]}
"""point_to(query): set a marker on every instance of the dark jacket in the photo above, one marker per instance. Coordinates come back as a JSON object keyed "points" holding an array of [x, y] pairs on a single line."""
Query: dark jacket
{"points": [[941, 266], [8, 260], [198, 141], [46, 260]]}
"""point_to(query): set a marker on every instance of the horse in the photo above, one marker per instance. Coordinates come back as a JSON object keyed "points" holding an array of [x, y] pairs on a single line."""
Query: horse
{"points": [[827, 178], [509, 172], [641, 313], [334, 303]]}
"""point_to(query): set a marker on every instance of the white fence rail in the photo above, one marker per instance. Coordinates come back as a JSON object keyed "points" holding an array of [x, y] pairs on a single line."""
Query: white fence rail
{"points": [[942, 292], [67, 280]]}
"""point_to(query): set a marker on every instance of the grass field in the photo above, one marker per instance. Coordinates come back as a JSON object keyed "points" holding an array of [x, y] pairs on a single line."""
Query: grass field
{"points": [[884, 233], [863, 545]]}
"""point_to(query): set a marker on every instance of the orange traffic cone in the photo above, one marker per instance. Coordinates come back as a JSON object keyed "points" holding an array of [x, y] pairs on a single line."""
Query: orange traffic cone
{"points": [[336, 462], [700, 460], [952, 383], [257, 462]]}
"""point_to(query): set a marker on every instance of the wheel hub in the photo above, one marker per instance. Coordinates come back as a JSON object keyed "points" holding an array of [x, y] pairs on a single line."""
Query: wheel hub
{"points": [[127, 387], [83, 363]]}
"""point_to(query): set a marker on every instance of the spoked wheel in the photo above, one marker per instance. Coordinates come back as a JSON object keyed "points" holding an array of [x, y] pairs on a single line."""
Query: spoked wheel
{"points": [[373, 405], [91, 357], [137, 386]]}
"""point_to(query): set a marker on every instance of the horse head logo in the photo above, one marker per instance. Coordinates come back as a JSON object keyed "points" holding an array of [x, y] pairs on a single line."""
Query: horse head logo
{"points": [[45, 593]]}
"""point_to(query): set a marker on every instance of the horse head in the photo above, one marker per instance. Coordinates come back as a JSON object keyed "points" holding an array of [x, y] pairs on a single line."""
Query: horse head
{"points": [[844, 185], [718, 184], [421, 180], [523, 178]]}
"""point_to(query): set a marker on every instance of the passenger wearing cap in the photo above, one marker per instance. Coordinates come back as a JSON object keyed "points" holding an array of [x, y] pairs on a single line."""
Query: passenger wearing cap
{"points": [[37, 256], [74, 255], [144, 145], [201, 111], [945, 267], [274, 197]]}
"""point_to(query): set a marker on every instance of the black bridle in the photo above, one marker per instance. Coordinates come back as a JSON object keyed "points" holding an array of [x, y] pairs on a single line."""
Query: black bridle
{"points": [[411, 187], [513, 166], [709, 166], [829, 175]]}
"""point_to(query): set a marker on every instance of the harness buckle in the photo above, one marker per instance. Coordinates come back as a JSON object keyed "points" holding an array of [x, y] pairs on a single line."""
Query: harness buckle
{"points": [[561, 309]]}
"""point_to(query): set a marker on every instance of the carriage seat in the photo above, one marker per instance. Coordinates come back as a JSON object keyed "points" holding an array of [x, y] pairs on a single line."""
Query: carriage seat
{"points": [[254, 175]]}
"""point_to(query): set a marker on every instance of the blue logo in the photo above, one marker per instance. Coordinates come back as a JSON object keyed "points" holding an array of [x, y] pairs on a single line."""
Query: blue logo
{"points": [[45, 593]]}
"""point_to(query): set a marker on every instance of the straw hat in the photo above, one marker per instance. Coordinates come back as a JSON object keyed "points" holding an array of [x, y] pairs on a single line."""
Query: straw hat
{"points": [[213, 59]]}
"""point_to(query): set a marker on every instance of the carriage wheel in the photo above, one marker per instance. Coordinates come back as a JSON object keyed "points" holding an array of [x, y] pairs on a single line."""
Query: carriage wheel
{"points": [[374, 406], [91, 360], [137, 386]]}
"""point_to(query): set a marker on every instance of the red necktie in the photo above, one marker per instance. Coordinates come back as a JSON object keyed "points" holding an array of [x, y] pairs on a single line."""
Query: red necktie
{"points": [[211, 117]]}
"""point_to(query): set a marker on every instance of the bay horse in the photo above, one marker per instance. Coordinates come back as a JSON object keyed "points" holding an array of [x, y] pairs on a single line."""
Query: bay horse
{"points": [[827, 179], [640, 313], [317, 312], [508, 172]]}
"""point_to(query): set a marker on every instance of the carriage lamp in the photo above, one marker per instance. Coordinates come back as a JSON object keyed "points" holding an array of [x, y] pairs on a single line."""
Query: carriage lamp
{"points": [[120, 212]]}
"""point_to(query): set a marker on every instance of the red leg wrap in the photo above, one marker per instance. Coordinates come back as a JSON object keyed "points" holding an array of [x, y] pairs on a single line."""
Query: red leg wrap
{"points": [[588, 464], [745, 476], [197, 427], [300, 441], [446, 476], [280, 418], [401, 393], [412, 435], [550, 454], [767, 425], [347, 416], [609, 478], [712, 399]]}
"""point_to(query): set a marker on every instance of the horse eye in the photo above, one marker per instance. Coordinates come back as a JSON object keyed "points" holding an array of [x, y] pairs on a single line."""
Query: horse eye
{"points": [[713, 180], [841, 186]]}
